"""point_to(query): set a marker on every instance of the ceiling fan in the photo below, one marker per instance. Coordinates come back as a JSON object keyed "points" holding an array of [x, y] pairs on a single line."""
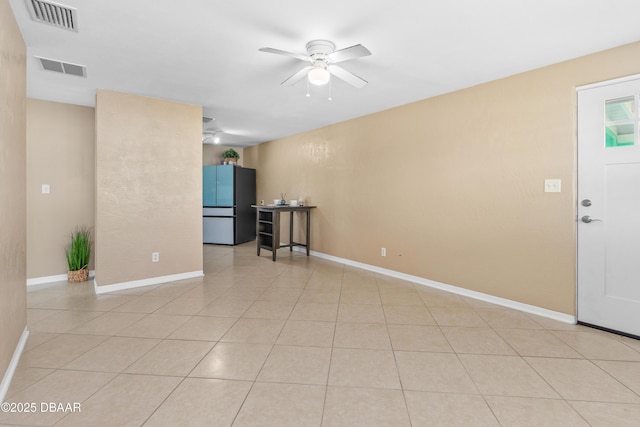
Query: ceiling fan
{"points": [[322, 56]]}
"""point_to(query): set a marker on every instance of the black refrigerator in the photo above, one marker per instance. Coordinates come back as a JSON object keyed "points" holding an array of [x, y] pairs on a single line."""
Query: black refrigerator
{"points": [[228, 191]]}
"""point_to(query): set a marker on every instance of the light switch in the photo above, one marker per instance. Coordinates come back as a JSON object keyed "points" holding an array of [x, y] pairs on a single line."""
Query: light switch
{"points": [[46, 189], [552, 185]]}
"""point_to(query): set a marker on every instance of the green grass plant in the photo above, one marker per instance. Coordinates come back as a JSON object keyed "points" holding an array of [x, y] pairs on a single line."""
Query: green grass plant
{"points": [[79, 250]]}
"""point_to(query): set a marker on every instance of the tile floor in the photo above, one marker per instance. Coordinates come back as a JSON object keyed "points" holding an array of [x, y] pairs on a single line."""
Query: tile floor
{"points": [[308, 342]]}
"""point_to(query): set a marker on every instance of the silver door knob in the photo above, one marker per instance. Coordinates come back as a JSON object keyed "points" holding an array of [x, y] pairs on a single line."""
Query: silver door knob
{"points": [[587, 219]]}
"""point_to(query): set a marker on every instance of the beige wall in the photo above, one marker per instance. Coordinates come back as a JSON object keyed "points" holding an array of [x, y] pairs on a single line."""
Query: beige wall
{"points": [[13, 83], [148, 188], [211, 154], [61, 153], [452, 186]]}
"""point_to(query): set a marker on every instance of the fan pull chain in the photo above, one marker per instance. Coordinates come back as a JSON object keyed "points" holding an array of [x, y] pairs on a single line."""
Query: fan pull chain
{"points": [[330, 91], [308, 93]]}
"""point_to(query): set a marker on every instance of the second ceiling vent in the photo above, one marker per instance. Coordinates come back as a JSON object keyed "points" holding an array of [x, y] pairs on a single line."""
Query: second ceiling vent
{"points": [[53, 14]]}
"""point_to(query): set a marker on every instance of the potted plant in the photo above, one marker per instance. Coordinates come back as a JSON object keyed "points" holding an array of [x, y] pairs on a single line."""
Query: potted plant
{"points": [[78, 253], [230, 155]]}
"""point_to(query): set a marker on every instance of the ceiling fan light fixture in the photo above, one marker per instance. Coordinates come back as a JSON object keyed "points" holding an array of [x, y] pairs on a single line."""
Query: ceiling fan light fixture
{"points": [[319, 76]]}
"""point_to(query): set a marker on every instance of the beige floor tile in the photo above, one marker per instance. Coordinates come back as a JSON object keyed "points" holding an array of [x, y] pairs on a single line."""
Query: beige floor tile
{"points": [[109, 323], [37, 338], [234, 361], [608, 414], [359, 297], [347, 407], [315, 311], [410, 298], [282, 405], [24, 377], [281, 295], [143, 304], [506, 376], [184, 306], [364, 313], [556, 325], [113, 355], [457, 316], [62, 302], [631, 342], [261, 331], [171, 357], [59, 386], [299, 365], [363, 368], [154, 326], [436, 298], [476, 303], [63, 321], [269, 310], [271, 327], [408, 315], [201, 402], [418, 338], [628, 373], [320, 296], [527, 342], [226, 308], [204, 328], [307, 332], [36, 314], [357, 285], [172, 290], [450, 410], [598, 345], [244, 293], [288, 282], [507, 319], [59, 351], [362, 335], [525, 412], [576, 379], [476, 341], [439, 372], [207, 293], [105, 302], [127, 400]]}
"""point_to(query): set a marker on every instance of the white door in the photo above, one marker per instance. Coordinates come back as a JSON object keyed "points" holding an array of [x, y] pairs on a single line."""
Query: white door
{"points": [[609, 206]]}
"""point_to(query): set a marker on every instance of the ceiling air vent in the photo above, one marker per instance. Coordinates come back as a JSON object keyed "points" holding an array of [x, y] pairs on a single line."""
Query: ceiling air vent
{"points": [[63, 67], [53, 14]]}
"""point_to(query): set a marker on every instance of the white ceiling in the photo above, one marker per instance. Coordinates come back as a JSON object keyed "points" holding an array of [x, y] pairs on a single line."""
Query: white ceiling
{"points": [[205, 52]]}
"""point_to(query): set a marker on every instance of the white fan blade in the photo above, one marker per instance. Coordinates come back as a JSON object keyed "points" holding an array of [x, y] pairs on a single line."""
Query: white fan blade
{"points": [[285, 53], [295, 78], [347, 53], [347, 76]]}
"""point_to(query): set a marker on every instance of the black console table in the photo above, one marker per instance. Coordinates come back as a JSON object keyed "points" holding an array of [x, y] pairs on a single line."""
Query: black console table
{"points": [[268, 227]]}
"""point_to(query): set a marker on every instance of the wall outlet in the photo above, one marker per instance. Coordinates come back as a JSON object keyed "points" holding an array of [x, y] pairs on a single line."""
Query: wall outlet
{"points": [[46, 189], [383, 251], [155, 257]]}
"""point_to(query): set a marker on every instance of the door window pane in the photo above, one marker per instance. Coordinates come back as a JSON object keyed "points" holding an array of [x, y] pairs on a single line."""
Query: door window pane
{"points": [[621, 121], [620, 109]]}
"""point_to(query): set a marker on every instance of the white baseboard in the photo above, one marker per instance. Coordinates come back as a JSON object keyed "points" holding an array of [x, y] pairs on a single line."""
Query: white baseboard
{"points": [[532, 309], [11, 369], [145, 282], [52, 279]]}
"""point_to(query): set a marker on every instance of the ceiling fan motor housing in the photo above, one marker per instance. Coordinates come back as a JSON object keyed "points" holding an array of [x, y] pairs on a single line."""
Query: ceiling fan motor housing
{"points": [[319, 49]]}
